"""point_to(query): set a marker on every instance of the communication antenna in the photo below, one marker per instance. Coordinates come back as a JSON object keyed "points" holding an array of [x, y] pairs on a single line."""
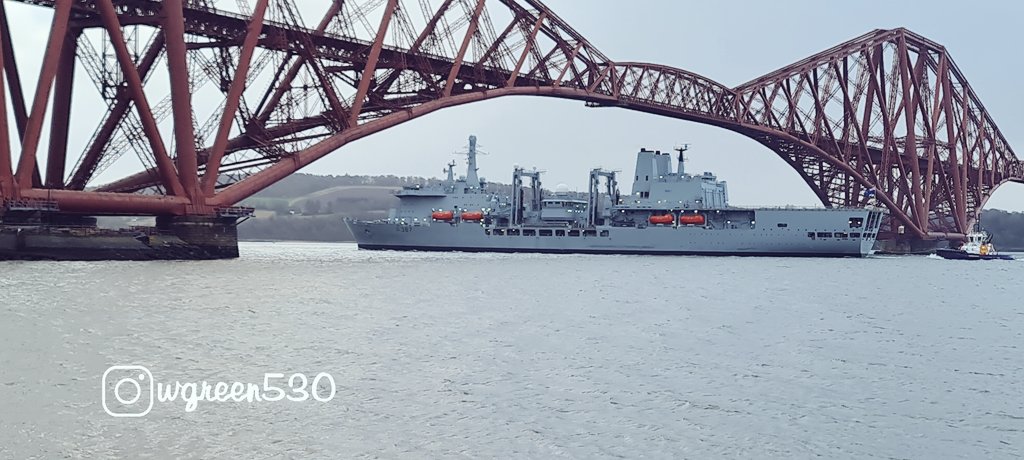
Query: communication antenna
{"points": [[475, 147], [466, 152], [471, 153], [681, 148]]}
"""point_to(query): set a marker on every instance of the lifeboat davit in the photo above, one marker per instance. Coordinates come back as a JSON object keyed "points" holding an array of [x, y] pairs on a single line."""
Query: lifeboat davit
{"points": [[442, 215], [691, 219], [665, 219], [473, 215]]}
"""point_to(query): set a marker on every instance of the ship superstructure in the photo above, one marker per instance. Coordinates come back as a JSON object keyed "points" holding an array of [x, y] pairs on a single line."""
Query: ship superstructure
{"points": [[667, 212]]}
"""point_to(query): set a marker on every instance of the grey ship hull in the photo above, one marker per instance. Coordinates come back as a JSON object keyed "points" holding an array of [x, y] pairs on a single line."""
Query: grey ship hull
{"points": [[781, 232]]}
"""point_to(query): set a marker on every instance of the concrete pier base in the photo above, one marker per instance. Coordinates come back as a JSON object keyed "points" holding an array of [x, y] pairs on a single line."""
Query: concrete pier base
{"points": [[211, 238], [898, 246], [69, 237]]}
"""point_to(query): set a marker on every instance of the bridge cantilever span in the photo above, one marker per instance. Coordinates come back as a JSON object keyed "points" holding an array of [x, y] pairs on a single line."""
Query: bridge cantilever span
{"points": [[890, 111], [256, 94]]}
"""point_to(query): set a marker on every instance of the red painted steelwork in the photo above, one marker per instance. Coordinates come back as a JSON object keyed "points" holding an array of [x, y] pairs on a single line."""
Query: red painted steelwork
{"points": [[7, 187], [114, 117], [181, 100], [280, 170], [138, 95], [371, 63], [888, 111], [474, 22], [59, 123], [103, 203], [252, 34], [34, 126]]}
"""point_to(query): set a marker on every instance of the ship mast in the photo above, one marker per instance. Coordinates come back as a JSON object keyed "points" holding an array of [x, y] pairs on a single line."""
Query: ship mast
{"points": [[451, 172], [682, 158], [471, 177]]}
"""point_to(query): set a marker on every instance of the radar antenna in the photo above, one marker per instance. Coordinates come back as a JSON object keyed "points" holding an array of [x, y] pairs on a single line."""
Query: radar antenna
{"points": [[450, 171], [682, 158]]}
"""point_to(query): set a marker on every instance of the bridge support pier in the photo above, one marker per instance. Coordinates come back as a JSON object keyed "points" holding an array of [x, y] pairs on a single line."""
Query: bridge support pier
{"points": [[34, 235], [208, 237], [908, 246]]}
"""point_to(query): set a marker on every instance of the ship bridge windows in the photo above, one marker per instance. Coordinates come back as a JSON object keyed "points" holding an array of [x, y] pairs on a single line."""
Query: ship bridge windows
{"points": [[574, 233], [604, 232], [856, 222], [824, 234], [854, 235], [782, 225], [810, 235], [559, 232], [841, 235], [529, 232], [874, 220], [590, 233], [545, 232], [513, 232]]}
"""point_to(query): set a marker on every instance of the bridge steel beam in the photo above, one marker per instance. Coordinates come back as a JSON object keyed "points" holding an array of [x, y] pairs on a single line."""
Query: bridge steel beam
{"points": [[8, 188], [27, 166], [234, 95], [61, 120], [888, 112], [181, 99]]}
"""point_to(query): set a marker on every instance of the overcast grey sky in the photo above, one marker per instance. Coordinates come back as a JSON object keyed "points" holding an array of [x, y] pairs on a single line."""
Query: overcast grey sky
{"points": [[728, 41]]}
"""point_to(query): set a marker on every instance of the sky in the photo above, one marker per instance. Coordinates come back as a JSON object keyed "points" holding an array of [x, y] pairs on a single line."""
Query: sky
{"points": [[727, 41]]}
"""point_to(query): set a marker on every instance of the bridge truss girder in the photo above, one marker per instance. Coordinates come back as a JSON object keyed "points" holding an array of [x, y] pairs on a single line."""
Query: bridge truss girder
{"points": [[280, 95]]}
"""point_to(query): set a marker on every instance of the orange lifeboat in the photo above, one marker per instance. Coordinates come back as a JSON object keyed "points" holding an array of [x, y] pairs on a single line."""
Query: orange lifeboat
{"points": [[691, 219], [665, 219], [473, 215], [442, 215]]}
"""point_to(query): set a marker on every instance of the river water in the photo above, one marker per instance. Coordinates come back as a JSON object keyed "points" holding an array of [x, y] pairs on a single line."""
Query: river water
{"points": [[520, 356]]}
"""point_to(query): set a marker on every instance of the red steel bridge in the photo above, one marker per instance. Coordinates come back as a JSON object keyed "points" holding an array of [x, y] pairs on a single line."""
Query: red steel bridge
{"points": [[211, 101]]}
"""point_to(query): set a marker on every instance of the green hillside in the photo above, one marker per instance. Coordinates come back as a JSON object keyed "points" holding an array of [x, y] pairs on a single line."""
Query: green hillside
{"points": [[311, 207], [1007, 228]]}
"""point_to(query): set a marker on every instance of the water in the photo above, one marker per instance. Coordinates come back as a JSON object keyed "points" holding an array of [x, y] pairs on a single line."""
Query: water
{"points": [[523, 356]]}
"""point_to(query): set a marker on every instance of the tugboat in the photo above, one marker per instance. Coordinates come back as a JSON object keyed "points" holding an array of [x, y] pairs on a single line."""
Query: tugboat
{"points": [[978, 247], [668, 211]]}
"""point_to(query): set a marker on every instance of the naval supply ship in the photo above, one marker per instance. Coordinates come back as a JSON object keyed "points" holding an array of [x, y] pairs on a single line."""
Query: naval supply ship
{"points": [[667, 212]]}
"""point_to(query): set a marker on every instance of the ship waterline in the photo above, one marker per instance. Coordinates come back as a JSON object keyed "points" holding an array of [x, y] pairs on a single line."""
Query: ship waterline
{"points": [[667, 213]]}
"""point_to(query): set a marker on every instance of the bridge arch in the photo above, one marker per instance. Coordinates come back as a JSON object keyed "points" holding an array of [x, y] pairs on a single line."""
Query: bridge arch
{"points": [[1008, 190], [888, 111]]}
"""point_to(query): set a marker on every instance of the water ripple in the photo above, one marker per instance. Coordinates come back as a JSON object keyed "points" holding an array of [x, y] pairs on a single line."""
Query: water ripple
{"points": [[514, 355]]}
